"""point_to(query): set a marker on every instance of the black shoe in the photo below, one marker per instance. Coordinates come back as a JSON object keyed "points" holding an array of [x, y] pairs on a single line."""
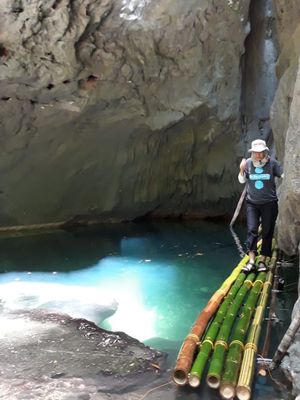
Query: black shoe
{"points": [[249, 267], [261, 267]]}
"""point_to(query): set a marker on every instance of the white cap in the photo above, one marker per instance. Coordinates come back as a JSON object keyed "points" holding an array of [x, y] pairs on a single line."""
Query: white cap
{"points": [[258, 145]]}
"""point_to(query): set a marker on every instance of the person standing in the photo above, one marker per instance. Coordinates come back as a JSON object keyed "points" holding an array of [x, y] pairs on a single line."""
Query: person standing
{"points": [[259, 171]]}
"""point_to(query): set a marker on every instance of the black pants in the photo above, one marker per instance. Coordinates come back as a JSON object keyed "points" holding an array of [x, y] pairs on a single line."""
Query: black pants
{"points": [[268, 214]]}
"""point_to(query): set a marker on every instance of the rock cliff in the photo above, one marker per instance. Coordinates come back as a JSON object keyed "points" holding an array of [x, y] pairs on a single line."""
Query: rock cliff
{"points": [[285, 121], [113, 109]]}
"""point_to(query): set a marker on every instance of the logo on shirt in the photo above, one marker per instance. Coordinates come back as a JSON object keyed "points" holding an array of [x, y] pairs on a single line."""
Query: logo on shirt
{"points": [[259, 177]]}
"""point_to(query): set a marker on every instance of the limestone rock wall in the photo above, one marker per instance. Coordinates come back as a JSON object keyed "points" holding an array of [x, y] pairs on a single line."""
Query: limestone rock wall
{"points": [[114, 109], [259, 73], [285, 119]]}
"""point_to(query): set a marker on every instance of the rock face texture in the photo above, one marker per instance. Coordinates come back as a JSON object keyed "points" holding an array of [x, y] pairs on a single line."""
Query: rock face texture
{"points": [[115, 109], [285, 121], [291, 362], [259, 76], [71, 359]]}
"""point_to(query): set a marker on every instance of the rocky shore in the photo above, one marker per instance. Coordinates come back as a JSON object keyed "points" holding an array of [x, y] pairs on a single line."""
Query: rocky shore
{"points": [[48, 355]]}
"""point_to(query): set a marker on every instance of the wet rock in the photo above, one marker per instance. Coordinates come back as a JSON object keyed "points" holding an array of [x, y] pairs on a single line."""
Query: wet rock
{"points": [[291, 362], [46, 354]]}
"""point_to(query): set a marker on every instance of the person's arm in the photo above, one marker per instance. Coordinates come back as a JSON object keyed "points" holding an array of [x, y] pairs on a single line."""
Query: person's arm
{"points": [[242, 174]]}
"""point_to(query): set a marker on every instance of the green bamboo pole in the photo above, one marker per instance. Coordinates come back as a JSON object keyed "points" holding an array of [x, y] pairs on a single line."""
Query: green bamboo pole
{"points": [[186, 353], [243, 390], [195, 375], [221, 345], [236, 347]]}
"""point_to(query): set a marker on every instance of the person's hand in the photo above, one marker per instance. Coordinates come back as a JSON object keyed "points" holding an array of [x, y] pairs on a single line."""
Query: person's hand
{"points": [[243, 166]]}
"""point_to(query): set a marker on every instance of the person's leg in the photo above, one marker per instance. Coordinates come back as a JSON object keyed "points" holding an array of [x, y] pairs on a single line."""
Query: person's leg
{"points": [[261, 265], [253, 215], [268, 220], [251, 255]]}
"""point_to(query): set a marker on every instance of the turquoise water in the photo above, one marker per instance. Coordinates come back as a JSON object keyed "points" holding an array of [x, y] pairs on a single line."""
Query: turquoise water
{"points": [[148, 280], [160, 275]]}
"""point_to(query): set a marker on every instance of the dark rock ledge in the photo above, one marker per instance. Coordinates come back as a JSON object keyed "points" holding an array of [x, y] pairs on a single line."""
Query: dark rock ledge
{"points": [[53, 356]]}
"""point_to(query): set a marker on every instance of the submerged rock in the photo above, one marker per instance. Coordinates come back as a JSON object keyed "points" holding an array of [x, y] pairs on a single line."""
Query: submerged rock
{"points": [[48, 355]]}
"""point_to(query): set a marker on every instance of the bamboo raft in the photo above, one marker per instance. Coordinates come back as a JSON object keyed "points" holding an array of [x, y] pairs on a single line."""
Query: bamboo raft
{"points": [[226, 333]]}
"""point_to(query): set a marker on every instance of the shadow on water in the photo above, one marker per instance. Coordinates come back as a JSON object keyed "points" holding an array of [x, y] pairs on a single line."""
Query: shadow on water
{"points": [[83, 247]]}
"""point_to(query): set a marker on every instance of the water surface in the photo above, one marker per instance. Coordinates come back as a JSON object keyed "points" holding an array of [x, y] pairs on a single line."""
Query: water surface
{"points": [[148, 280]]}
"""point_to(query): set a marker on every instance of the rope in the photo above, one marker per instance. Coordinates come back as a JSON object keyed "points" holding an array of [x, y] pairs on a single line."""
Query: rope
{"points": [[221, 343], [193, 337], [262, 283], [290, 284], [155, 388], [251, 346], [266, 367], [210, 342], [241, 344], [237, 242]]}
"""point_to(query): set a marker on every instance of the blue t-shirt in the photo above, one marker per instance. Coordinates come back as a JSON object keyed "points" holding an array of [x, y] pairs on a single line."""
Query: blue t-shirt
{"points": [[261, 181]]}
